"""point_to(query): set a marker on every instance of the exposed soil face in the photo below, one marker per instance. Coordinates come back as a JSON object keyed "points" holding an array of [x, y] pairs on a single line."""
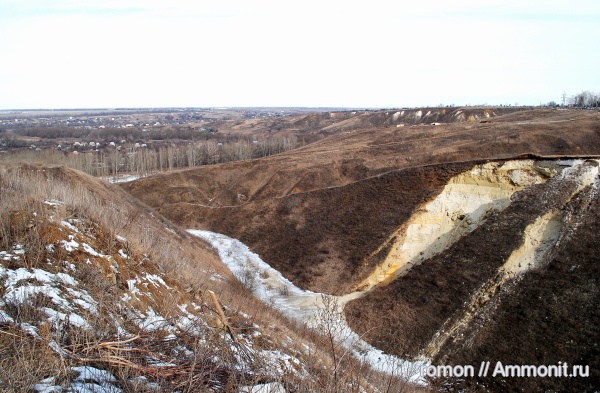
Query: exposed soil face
{"points": [[538, 318], [433, 291], [462, 206]]}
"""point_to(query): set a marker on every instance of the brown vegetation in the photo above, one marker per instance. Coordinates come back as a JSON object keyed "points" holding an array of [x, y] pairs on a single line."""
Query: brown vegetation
{"points": [[305, 211], [317, 214], [36, 203]]}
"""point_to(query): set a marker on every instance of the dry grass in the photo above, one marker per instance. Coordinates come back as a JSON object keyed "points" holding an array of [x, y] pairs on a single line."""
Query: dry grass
{"points": [[110, 220], [316, 213]]}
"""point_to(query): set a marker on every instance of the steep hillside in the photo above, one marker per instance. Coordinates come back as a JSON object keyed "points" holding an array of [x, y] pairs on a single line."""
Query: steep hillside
{"points": [[436, 225], [100, 293], [558, 309], [321, 240]]}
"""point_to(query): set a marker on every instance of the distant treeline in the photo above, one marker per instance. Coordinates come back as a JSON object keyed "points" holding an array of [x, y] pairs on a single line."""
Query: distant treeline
{"points": [[131, 134], [143, 161], [585, 99]]}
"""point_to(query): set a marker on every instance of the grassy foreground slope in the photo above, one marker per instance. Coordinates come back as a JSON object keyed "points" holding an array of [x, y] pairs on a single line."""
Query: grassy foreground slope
{"points": [[98, 292]]}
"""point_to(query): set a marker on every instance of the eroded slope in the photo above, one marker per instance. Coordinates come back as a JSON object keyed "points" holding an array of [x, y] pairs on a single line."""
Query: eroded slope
{"points": [[358, 154], [446, 304]]}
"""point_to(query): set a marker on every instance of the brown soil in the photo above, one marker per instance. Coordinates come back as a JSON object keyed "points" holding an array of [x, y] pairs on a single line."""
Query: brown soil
{"points": [[318, 212], [417, 304]]}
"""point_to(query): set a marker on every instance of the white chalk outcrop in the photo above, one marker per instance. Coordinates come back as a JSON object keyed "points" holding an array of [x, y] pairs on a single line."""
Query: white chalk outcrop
{"points": [[460, 208]]}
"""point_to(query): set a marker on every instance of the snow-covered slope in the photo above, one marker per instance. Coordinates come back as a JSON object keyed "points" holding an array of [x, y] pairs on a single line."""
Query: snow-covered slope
{"points": [[319, 311]]}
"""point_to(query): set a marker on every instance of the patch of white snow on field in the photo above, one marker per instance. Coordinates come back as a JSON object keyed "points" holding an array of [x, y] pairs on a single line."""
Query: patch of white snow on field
{"points": [[123, 178], [54, 202], [273, 387], [142, 381], [4, 317], [73, 319], [18, 249], [68, 225], [47, 386], [70, 245], [88, 379], [65, 279], [270, 286], [90, 250], [156, 280], [267, 283], [154, 321], [21, 285], [7, 256], [29, 328]]}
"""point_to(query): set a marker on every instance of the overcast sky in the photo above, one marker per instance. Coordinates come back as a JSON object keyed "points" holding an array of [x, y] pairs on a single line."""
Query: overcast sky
{"points": [[196, 53]]}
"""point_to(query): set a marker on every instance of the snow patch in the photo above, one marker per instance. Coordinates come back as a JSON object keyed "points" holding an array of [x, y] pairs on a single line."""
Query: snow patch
{"points": [[270, 286], [4, 317], [7, 256], [90, 250], [71, 318], [70, 245], [123, 178], [18, 249], [156, 280], [54, 202], [70, 226], [273, 387]]}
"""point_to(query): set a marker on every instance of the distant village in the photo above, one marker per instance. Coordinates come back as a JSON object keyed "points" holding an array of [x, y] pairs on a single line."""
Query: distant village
{"points": [[141, 141], [130, 118]]}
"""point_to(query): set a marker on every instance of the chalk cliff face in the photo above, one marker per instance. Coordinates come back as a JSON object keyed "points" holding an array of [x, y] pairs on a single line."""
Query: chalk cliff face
{"points": [[480, 279], [462, 206]]}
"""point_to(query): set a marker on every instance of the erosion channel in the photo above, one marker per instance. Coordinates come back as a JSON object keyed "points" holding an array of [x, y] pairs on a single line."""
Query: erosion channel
{"points": [[463, 206]]}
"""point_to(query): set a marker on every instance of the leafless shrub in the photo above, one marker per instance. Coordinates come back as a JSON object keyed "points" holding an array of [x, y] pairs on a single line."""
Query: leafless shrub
{"points": [[248, 278], [284, 290], [25, 360]]}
